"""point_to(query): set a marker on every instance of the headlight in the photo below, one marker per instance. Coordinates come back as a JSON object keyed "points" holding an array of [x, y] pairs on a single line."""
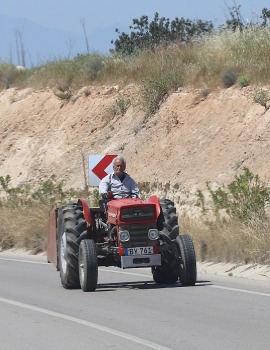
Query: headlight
{"points": [[153, 234], [124, 236]]}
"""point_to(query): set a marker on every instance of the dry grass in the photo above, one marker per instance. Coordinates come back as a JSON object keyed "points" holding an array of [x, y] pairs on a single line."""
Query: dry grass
{"points": [[202, 64], [230, 241], [24, 227]]}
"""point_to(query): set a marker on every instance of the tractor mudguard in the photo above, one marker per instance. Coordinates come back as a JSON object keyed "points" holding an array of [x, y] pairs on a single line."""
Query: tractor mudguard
{"points": [[86, 212], [154, 199]]}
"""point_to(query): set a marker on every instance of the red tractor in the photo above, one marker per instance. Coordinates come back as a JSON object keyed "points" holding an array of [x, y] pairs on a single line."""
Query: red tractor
{"points": [[129, 233]]}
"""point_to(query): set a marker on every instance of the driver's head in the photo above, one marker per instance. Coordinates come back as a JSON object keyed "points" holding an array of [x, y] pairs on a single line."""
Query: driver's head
{"points": [[119, 166]]}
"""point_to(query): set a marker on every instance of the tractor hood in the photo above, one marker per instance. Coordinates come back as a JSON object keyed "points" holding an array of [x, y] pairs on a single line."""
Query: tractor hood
{"points": [[133, 210]]}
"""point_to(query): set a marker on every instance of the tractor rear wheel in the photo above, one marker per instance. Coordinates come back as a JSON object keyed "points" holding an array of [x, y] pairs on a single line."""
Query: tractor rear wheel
{"points": [[186, 259], [167, 222], [88, 265], [70, 225]]}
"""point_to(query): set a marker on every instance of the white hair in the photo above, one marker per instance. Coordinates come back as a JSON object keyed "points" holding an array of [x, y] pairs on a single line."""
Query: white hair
{"points": [[120, 158]]}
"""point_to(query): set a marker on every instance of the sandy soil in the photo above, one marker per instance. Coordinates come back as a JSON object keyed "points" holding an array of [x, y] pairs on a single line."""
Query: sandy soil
{"points": [[192, 139]]}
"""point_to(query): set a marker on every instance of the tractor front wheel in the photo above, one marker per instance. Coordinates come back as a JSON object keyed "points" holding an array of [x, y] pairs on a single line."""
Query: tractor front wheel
{"points": [[187, 260], [88, 265]]}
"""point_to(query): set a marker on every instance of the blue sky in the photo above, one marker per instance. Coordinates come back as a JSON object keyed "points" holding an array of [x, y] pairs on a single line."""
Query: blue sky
{"points": [[101, 17]]}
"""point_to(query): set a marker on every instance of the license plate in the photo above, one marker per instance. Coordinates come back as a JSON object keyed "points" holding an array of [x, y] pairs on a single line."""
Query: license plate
{"points": [[139, 251]]}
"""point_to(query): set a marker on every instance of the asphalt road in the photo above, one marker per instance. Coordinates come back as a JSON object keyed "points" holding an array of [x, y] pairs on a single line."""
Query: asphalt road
{"points": [[128, 311]]}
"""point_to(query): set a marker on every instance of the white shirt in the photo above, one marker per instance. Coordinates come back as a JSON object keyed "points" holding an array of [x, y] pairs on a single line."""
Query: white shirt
{"points": [[120, 189]]}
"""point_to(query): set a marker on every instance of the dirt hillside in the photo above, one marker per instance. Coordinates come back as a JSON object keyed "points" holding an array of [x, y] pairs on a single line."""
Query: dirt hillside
{"points": [[194, 138]]}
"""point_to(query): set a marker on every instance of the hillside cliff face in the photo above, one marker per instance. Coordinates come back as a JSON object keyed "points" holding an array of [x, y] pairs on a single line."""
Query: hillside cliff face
{"points": [[194, 138]]}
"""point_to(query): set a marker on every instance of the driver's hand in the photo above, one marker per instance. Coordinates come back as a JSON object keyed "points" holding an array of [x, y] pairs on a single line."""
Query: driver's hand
{"points": [[109, 194]]}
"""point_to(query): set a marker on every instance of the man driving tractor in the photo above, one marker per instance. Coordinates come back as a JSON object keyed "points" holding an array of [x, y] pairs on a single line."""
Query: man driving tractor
{"points": [[118, 184]]}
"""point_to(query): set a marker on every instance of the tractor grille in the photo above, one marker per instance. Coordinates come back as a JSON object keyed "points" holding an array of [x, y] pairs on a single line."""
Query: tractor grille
{"points": [[138, 235], [146, 212]]}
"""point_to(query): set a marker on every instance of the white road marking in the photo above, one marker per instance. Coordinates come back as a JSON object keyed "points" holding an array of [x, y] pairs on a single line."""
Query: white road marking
{"points": [[26, 261], [123, 335], [241, 290]]}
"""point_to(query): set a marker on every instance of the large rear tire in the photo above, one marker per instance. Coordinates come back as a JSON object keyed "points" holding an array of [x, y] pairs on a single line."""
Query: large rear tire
{"points": [[167, 222], [88, 265], [70, 225], [187, 260]]}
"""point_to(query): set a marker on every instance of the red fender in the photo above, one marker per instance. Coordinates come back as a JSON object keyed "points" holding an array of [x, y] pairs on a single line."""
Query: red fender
{"points": [[154, 199], [86, 212]]}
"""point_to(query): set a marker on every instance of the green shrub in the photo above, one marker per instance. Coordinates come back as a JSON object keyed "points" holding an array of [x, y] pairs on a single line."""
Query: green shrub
{"points": [[119, 107], [93, 67], [49, 192], [229, 78], [156, 88], [63, 94], [243, 81], [244, 199]]}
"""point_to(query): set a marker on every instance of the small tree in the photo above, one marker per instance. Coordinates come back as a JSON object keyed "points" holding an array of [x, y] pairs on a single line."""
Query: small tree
{"points": [[244, 198], [235, 21], [265, 16], [161, 31]]}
